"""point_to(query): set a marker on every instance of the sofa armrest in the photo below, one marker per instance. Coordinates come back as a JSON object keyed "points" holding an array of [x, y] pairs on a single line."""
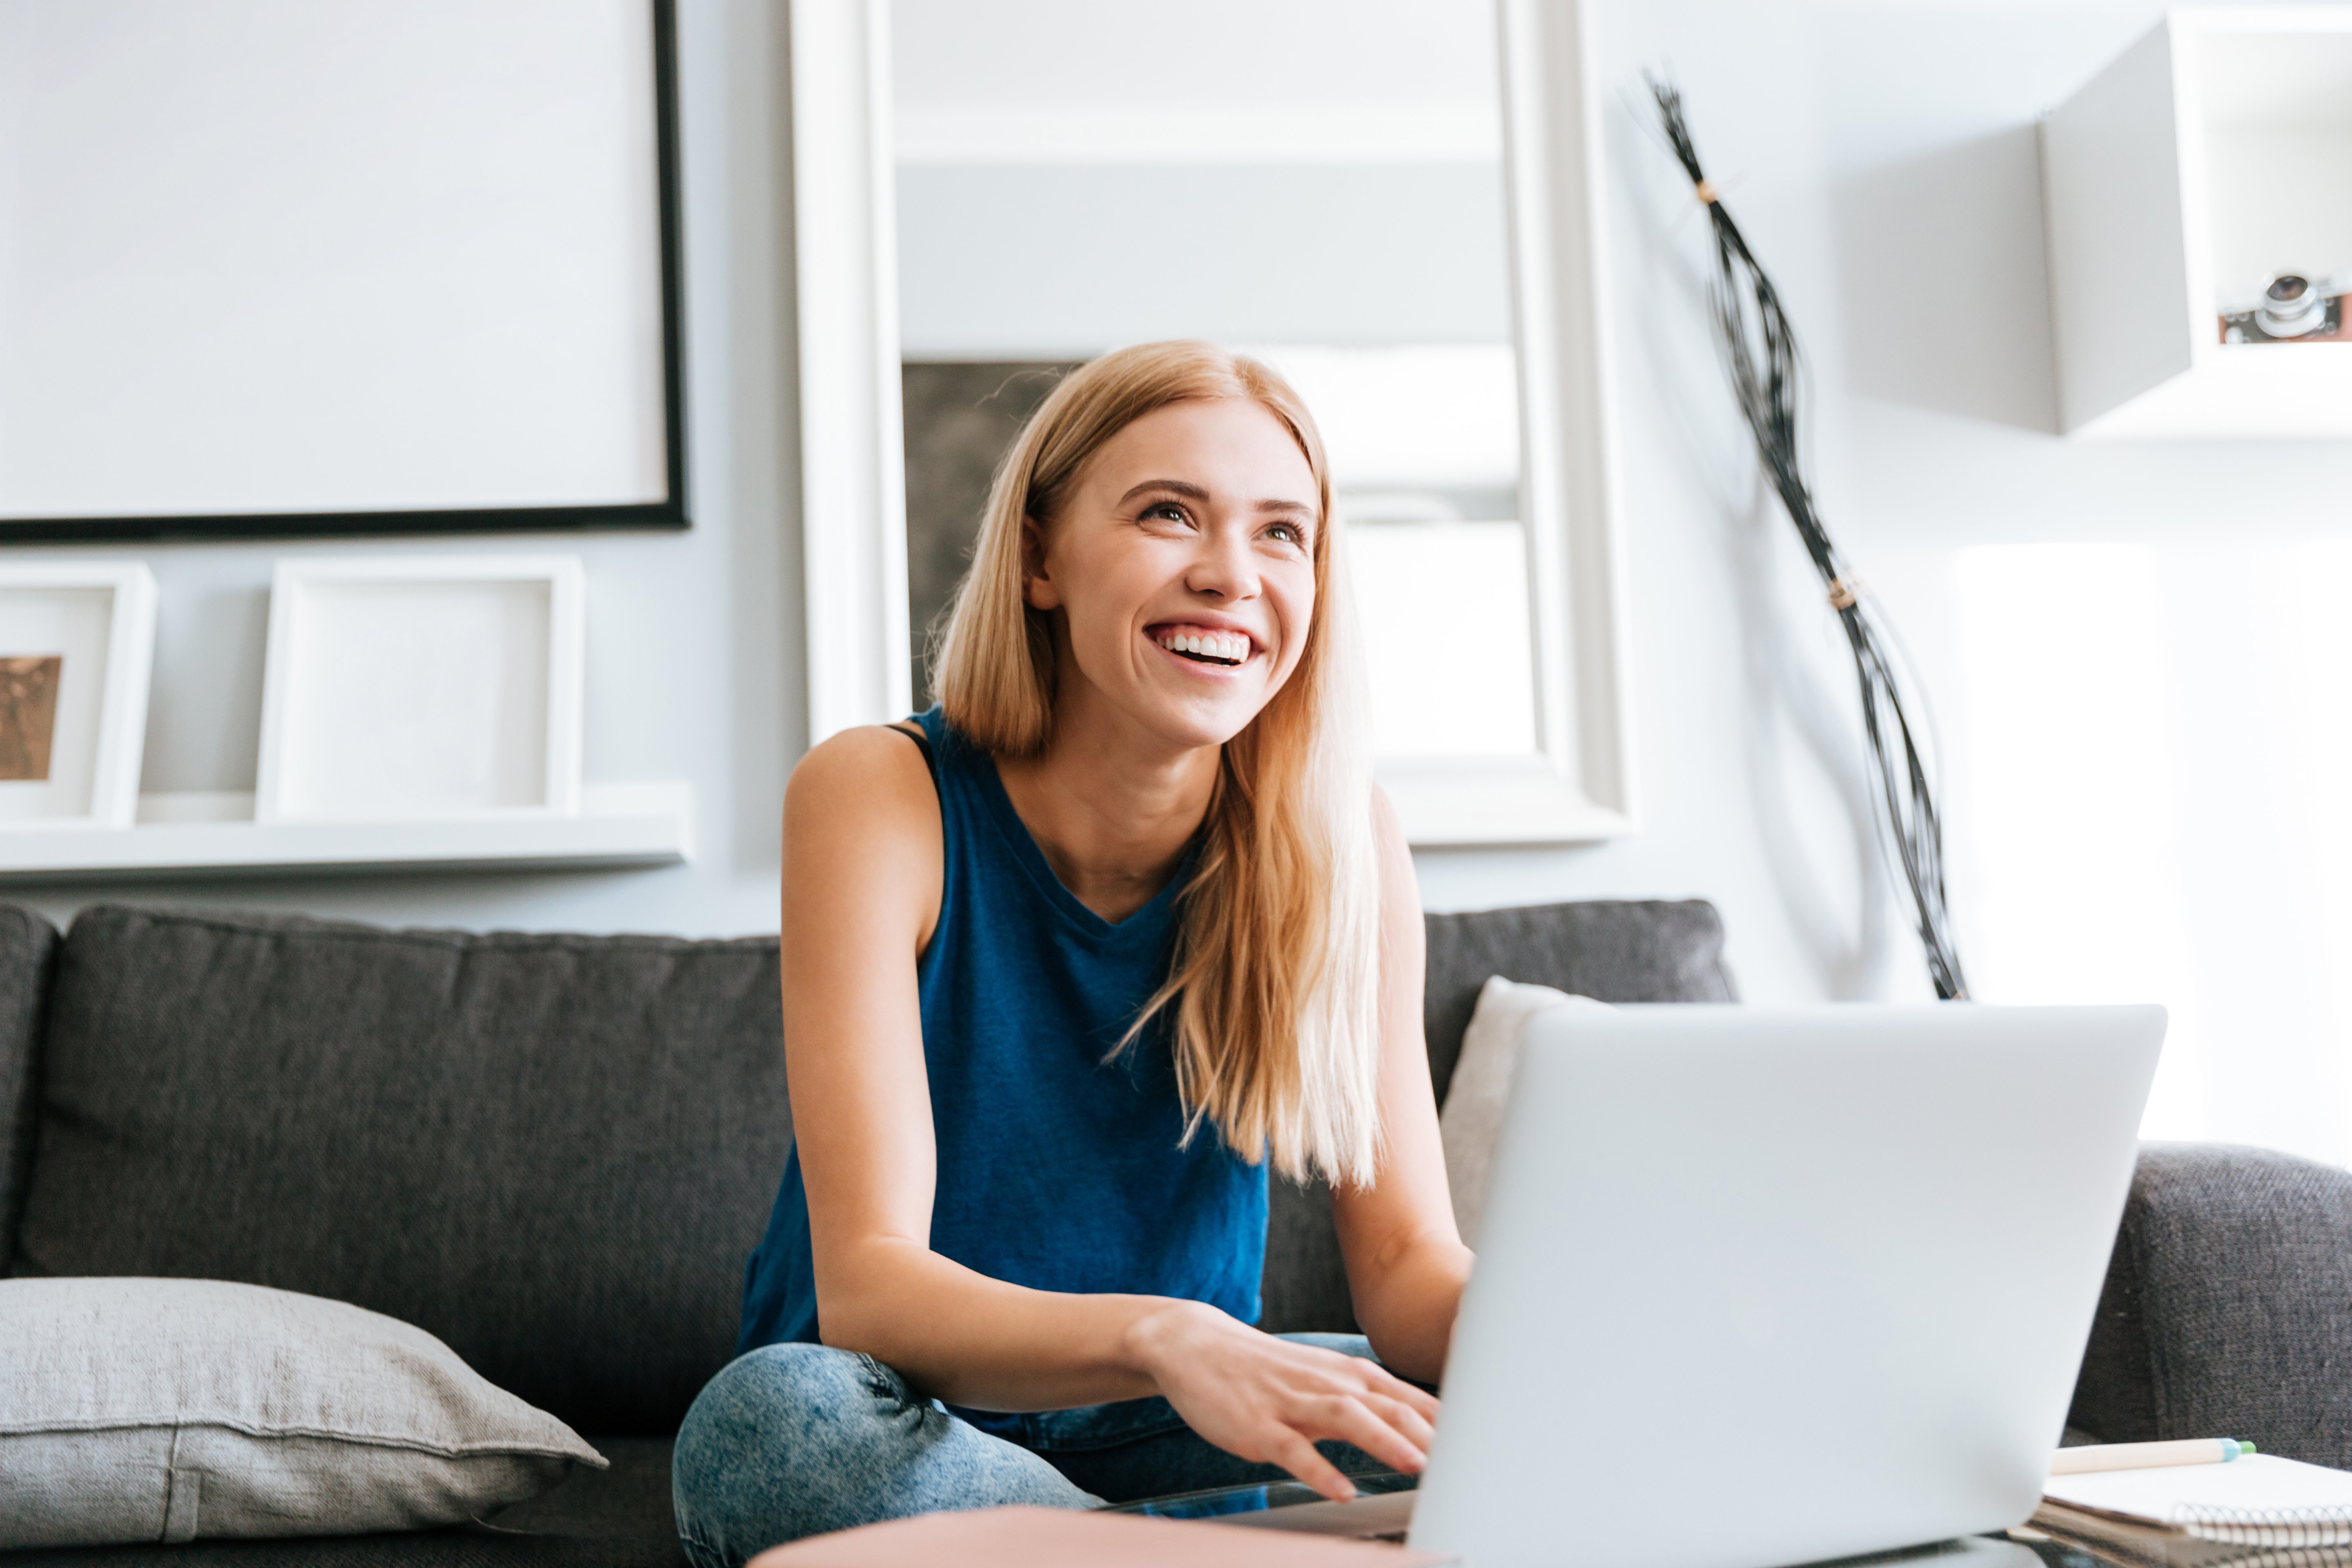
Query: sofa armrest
{"points": [[29, 956], [2228, 1308]]}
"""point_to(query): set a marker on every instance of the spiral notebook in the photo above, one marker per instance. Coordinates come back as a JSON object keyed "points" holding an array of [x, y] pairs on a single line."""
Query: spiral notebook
{"points": [[2113, 1543], [2206, 1514]]}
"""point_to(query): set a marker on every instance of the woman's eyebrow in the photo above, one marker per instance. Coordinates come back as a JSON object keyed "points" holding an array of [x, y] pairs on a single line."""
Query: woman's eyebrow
{"points": [[1184, 488]]}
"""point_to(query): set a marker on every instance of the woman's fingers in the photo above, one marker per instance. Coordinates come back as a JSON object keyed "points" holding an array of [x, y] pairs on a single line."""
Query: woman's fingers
{"points": [[1293, 1451], [1373, 1383], [1419, 1400], [1373, 1378], [1376, 1411], [1404, 1418], [1349, 1419], [1273, 1400]]}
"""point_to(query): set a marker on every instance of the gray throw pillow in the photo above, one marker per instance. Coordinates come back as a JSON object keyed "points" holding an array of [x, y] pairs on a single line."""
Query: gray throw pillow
{"points": [[169, 1409]]}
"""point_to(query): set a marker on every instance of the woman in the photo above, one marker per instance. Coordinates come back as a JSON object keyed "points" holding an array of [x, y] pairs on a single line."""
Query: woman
{"points": [[1068, 963]]}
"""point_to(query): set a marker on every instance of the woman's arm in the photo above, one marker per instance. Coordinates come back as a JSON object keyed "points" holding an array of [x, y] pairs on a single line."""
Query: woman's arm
{"points": [[1406, 1263], [862, 879]]}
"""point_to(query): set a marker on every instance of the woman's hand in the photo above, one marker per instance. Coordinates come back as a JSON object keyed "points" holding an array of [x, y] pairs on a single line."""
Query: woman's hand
{"points": [[1271, 1400]]}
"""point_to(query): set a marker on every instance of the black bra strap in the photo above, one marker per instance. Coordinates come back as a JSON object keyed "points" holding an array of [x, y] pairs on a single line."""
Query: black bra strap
{"points": [[924, 742]]}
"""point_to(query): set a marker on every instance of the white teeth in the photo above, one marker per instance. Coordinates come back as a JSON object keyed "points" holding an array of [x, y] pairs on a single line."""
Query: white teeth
{"points": [[1230, 645]]}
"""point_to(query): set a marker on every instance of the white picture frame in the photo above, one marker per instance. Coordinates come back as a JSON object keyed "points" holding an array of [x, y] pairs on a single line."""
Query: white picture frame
{"points": [[82, 613], [447, 235], [410, 688], [1578, 785]]}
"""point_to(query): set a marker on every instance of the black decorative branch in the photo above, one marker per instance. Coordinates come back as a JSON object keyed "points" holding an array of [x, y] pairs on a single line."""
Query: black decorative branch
{"points": [[1761, 349]]}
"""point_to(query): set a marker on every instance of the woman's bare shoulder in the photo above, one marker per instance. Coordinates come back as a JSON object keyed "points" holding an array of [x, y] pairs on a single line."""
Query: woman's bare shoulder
{"points": [[1400, 882], [868, 780], [1388, 832]]}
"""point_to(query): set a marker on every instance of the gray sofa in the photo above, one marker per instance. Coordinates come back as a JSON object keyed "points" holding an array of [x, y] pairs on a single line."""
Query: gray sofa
{"points": [[555, 1151]]}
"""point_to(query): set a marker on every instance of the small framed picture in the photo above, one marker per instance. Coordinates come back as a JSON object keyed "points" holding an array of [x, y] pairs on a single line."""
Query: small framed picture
{"points": [[422, 687], [77, 646]]}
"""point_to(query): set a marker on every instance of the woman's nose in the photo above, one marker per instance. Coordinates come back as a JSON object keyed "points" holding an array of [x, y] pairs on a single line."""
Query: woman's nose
{"points": [[1223, 566]]}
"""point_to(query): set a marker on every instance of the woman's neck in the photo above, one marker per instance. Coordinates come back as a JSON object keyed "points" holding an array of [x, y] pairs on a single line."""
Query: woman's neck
{"points": [[1112, 813]]}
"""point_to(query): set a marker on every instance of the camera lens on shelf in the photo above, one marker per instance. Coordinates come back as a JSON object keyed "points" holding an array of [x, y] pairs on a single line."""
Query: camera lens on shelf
{"points": [[2291, 307]]}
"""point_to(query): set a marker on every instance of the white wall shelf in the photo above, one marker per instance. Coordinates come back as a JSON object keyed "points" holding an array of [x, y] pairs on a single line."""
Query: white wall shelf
{"points": [[642, 824], [2215, 152]]}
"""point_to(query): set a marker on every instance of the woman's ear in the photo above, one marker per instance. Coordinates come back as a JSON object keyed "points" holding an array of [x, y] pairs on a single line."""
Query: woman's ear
{"points": [[1036, 584]]}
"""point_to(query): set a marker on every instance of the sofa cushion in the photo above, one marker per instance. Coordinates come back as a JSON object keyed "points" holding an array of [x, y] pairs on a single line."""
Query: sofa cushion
{"points": [[2228, 1307], [1608, 949], [28, 946], [551, 1152], [619, 1518], [172, 1410]]}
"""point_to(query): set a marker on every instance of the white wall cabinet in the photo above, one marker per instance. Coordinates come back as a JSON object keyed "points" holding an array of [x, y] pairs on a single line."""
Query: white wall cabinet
{"points": [[2216, 152]]}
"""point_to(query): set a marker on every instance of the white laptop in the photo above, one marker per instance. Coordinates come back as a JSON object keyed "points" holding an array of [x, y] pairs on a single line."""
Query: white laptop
{"points": [[1767, 1285]]}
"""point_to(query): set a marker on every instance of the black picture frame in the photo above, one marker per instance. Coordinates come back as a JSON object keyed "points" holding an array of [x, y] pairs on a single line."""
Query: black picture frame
{"points": [[670, 513]]}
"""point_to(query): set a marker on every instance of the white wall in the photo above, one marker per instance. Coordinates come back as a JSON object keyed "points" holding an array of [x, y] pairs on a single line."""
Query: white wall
{"points": [[2120, 766], [1880, 157], [687, 675], [1045, 263]]}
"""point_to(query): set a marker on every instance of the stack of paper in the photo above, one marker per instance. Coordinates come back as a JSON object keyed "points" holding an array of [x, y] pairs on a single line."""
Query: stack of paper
{"points": [[2201, 1515]]}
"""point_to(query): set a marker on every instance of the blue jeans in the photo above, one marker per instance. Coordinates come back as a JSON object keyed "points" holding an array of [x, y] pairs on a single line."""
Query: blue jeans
{"points": [[798, 1439]]}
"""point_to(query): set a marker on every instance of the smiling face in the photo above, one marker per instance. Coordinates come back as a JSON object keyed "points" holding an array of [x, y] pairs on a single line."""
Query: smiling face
{"points": [[1179, 572]]}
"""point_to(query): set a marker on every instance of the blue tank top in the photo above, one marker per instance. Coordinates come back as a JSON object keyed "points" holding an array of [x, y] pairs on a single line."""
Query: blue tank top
{"points": [[1059, 1165]]}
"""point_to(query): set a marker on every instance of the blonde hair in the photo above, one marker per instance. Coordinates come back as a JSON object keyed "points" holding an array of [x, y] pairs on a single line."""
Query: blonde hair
{"points": [[1275, 986]]}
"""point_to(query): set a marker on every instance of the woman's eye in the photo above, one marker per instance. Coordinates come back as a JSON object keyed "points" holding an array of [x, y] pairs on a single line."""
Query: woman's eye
{"points": [[1288, 532], [1167, 511]]}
